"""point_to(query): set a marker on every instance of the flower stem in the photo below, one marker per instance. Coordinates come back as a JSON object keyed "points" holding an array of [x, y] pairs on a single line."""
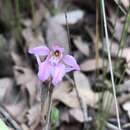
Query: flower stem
{"points": [[50, 90]]}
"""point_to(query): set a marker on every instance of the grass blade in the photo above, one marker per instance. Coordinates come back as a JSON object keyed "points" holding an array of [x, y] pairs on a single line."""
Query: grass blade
{"points": [[110, 63]]}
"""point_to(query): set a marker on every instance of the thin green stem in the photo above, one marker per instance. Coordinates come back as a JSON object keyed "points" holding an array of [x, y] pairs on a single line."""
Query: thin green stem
{"points": [[18, 15], [124, 33]]}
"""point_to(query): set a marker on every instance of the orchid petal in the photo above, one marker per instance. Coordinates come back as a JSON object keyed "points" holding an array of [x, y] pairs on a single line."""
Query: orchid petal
{"points": [[68, 69], [59, 73], [41, 50], [44, 70], [57, 47], [70, 60]]}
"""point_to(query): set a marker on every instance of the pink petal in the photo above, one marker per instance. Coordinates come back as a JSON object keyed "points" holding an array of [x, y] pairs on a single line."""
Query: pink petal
{"points": [[71, 61], [57, 47], [59, 73], [68, 69], [45, 70], [41, 50]]}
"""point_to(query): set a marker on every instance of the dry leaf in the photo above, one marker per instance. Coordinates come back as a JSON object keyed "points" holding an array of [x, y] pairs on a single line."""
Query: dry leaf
{"points": [[81, 45], [77, 114], [125, 3], [68, 99], [90, 65], [124, 98], [27, 79], [17, 110], [40, 14], [64, 115], [64, 86], [24, 75], [27, 22], [72, 17], [125, 87], [84, 89], [11, 129], [17, 59], [114, 49], [118, 30], [56, 34], [34, 115], [5, 59], [24, 127], [126, 107], [126, 55], [33, 39], [6, 85], [62, 94]]}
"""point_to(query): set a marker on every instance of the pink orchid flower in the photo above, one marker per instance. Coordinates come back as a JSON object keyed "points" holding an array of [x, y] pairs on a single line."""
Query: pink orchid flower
{"points": [[56, 63]]}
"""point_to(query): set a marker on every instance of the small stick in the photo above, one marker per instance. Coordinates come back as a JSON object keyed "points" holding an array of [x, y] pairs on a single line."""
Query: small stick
{"points": [[68, 31], [82, 105]]}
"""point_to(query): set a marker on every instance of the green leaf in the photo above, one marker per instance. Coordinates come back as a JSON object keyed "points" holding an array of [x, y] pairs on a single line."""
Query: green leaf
{"points": [[3, 125], [54, 116]]}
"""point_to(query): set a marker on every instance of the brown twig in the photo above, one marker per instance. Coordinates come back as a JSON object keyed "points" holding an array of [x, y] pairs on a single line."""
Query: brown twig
{"points": [[68, 31], [82, 104]]}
